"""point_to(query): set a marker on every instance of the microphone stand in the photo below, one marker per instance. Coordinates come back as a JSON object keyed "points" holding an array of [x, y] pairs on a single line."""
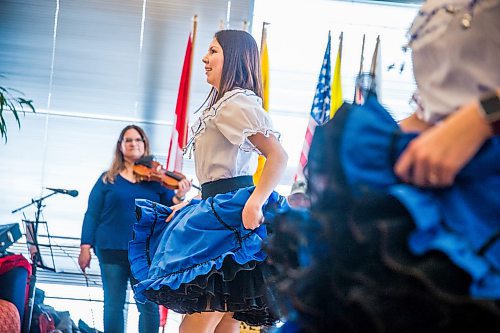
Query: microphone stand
{"points": [[37, 202], [36, 260]]}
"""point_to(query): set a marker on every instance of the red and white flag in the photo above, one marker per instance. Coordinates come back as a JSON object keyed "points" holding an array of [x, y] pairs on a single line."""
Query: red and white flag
{"points": [[179, 133]]}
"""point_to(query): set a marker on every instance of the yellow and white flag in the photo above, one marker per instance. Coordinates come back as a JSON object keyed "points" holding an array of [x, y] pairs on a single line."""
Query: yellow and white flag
{"points": [[336, 95], [264, 63]]}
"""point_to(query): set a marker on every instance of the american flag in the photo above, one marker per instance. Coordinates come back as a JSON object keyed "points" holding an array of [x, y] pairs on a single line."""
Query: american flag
{"points": [[320, 110]]}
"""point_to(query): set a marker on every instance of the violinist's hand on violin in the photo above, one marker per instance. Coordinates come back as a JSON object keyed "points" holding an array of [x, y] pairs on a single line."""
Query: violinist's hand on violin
{"points": [[84, 257], [175, 208], [184, 187]]}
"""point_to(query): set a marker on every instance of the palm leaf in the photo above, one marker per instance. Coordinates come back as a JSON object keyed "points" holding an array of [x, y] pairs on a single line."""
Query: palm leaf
{"points": [[11, 100]]}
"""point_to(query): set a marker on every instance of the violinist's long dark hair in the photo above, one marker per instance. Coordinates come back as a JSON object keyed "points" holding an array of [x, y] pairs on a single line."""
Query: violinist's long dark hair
{"points": [[241, 68]]}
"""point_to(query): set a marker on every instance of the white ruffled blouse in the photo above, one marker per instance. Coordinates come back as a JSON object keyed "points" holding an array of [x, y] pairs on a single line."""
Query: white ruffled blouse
{"points": [[220, 136], [456, 53]]}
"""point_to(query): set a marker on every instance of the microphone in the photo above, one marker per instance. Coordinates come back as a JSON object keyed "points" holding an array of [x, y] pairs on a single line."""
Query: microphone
{"points": [[73, 193]]}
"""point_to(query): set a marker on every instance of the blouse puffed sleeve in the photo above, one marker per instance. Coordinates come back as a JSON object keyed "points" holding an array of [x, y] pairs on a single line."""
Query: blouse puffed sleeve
{"points": [[241, 116]]}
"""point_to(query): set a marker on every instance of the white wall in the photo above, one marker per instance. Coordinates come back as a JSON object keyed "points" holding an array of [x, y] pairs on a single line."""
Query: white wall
{"points": [[297, 37]]}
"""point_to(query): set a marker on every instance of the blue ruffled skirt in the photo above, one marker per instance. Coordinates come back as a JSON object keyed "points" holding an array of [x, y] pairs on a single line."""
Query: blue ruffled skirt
{"points": [[204, 259], [462, 221]]}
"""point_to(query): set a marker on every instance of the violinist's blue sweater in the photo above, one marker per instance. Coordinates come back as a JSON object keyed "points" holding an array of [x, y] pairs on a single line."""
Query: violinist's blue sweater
{"points": [[110, 215]]}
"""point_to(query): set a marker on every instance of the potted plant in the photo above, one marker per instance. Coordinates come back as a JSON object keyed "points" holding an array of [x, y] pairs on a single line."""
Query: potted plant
{"points": [[12, 100]]}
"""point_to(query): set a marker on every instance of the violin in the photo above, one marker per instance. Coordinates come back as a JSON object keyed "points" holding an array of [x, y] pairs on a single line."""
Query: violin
{"points": [[148, 169]]}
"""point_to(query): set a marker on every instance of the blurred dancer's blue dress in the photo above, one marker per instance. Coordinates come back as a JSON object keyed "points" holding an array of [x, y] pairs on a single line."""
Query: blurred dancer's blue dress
{"points": [[380, 255], [204, 259]]}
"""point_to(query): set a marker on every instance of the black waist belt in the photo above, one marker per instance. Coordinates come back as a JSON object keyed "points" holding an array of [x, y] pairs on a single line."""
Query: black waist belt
{"points": [[211, 189]]}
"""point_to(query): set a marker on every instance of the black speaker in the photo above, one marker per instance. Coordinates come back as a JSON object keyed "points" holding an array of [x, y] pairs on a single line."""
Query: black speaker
{"points": [[9, 234]]}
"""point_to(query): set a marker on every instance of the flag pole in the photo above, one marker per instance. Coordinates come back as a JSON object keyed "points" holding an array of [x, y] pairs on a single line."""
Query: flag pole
{"points": [[374, 58], [341, 39], [360, 69], [193, 40], [195, 25], [362, 55], [373, 68], [264, 36]]}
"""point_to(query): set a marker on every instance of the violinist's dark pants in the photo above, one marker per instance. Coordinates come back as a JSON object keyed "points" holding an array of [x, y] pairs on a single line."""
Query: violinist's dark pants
{"points": [[115, 278]]}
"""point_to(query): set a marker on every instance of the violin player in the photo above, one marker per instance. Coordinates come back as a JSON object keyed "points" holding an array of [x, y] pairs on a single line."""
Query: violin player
{"points": [[108, 221]]}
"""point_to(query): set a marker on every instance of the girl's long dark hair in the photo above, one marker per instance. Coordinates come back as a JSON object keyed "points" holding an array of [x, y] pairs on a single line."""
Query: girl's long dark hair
{"points": [[241, 68]]}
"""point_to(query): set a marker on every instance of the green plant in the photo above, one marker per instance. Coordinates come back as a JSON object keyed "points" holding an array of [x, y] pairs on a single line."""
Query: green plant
{"points": [[12, 100]]}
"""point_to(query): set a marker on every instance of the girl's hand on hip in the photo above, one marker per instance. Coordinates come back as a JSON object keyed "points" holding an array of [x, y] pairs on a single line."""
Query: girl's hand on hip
{"points": [[435, 157], [252, 215]]}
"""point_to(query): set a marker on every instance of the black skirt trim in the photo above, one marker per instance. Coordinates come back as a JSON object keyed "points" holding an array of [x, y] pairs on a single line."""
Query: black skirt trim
{"points": [[237, 288]]}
